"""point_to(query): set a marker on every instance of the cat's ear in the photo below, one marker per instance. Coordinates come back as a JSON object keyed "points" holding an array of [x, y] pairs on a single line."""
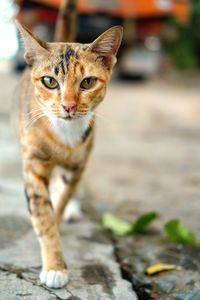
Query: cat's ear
{"points": [[107, 45], [35, 49]]}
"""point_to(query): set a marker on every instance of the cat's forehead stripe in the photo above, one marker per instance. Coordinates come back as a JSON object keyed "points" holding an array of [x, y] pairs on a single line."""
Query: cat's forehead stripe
{"points": [[70, 52], [82, 69], [64, 55], [63, 65], [56, 70]]}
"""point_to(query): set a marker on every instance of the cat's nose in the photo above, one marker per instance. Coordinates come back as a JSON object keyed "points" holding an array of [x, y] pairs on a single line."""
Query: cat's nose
{"points": [[69, 107]]}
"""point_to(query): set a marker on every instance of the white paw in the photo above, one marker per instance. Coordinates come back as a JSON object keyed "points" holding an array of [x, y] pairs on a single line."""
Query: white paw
{"points": [[54, 279], [73, 210]]}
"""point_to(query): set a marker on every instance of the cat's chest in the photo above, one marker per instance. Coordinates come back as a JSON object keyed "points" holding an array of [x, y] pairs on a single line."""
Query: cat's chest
{"points": [[70, 133]]}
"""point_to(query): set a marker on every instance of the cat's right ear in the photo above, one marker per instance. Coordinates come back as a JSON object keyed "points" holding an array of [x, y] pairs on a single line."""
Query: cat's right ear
{"points": [[107, 45], [35, 48]]}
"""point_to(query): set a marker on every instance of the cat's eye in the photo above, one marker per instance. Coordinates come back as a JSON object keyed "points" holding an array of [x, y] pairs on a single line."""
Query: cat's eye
{"points": [[50, 82], [88, 83]]}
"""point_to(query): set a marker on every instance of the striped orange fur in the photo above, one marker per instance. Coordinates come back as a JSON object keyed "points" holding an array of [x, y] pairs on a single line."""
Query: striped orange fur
{"points": [[60, 90]]}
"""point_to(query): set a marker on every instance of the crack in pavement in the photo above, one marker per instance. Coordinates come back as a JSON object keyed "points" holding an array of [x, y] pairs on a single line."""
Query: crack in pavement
{"points": [[10, 269]]}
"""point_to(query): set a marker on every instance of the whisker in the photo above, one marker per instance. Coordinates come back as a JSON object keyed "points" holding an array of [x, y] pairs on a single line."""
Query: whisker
{"points": [[49, 111], [35, 116], [51, 124], [31, 112], [34, 119]]}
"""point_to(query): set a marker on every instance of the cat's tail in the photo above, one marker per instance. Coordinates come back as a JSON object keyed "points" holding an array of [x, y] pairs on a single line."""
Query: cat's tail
{"points": [[66, 23]]}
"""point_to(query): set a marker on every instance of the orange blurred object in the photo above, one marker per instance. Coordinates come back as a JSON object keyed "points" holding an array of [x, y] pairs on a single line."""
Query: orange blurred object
{"points": [[182, 11], [131, 8]]}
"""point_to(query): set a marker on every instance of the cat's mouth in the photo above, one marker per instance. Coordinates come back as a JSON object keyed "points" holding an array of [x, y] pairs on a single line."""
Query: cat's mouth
{"points": [[68, 118], [71, 117]]}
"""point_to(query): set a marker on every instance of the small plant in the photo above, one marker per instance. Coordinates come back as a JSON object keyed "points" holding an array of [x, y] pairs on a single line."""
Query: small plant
{"points": [[178, 233], [175, 230], [120, 227]]}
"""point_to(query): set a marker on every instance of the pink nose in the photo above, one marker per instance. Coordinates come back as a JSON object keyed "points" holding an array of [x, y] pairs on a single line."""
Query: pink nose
{"points": [[69, 107]]}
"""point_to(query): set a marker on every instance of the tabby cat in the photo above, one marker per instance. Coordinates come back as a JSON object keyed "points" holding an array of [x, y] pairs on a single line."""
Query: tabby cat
{"points": [[59, 92]]}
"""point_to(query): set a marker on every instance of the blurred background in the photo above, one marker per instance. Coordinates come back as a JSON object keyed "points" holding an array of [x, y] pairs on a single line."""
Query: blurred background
{"points": [[158, 34], [148, 140]]}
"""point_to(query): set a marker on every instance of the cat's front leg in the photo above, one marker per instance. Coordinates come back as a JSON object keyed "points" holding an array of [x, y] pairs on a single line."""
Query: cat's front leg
{"points": [[54, 271]]}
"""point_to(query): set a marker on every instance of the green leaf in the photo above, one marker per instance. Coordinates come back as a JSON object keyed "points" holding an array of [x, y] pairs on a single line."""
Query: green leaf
{"points": [[143, 221], [122, 228], [177, 232], [116, 225]]}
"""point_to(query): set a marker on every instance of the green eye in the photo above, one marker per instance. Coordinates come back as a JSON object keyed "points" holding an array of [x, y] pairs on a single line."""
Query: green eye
{"points": [[50, 82], [88, 83]]}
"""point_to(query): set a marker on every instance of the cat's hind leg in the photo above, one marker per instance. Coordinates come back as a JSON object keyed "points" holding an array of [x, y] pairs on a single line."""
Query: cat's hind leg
{"points": [[64, 201], [59, 184], [73, 211]]}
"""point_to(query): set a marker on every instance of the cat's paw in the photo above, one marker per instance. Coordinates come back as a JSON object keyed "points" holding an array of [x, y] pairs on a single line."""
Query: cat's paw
{"points": [[73, 211], [54, 279]]}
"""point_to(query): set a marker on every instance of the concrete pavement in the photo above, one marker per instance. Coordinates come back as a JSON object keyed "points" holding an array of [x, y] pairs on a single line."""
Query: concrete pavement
{"points": [[94, 272], [146, 158]]}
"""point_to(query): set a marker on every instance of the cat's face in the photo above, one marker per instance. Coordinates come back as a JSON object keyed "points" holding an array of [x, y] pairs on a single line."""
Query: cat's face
{"points": [[70, 79]]}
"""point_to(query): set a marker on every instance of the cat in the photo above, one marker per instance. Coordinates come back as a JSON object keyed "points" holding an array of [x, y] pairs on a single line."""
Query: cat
{"points": [[59, 93]]}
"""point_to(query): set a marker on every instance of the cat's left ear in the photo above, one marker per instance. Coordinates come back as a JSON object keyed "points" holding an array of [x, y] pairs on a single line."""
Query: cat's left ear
{"points": [[107, 45], [35, 48]]}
